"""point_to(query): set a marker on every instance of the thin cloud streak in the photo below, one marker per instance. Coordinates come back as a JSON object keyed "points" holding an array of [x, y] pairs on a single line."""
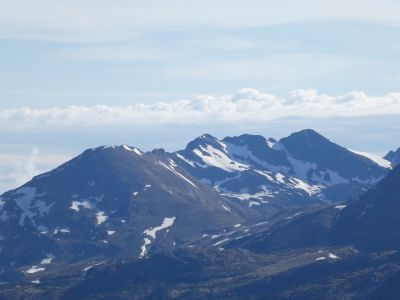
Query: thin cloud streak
{"points": [[88, 21]]}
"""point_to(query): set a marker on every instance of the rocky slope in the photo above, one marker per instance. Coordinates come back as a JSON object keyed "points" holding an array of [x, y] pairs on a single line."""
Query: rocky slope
{"points": [[108, 202]]}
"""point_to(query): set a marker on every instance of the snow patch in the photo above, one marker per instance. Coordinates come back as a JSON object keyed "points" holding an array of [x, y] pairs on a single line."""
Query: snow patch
{"points": [[309, 189], [185, 160], [172, 169], [152, 232], [143, 248], [246, 155], [332, 256], [253, 203], [216, 158], [302, 169], [35, 269], [261, 223], [265, 174], [168, 222], [76, 205], [132, 149], [280, 177], [222, 241], [108, 147], [376, 159], [94, 265], [226, 208], [47, 260], [42, 229], [246, 196], [293, 216], [61, 230], [24, 199], [340, 206], [101, 217]]}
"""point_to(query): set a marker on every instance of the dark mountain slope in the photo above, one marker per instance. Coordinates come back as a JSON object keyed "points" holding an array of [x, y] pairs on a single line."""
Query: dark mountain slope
{"points": [[371, 223], [107, 202], [330, 159]]}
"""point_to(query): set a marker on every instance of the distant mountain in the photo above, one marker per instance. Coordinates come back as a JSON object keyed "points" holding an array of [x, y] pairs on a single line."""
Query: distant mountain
{"points": [[268, 175], [393, 157], [108, 202]]}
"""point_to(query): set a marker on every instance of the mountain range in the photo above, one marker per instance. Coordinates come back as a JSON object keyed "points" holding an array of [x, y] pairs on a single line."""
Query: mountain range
{"points": [[268, 175], [220, 219]]}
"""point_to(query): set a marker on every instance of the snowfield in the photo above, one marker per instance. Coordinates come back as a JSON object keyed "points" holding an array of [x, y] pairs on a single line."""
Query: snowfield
{"points": [[151, 234]]}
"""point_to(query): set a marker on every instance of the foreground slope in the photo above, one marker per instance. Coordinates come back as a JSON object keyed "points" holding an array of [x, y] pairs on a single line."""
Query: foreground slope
{"points": [[371, 223], [339, 273]]}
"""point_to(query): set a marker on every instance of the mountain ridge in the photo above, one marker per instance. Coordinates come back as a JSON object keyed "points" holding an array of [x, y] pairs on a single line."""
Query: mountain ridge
{"points": [[321, 171]]}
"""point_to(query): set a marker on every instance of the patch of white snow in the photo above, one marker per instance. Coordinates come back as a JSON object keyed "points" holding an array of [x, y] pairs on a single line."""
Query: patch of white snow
{"points": [[34, 269], [101, 217]]}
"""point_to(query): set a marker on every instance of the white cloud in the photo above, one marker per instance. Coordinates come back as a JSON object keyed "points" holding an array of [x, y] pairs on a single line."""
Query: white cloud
{"points": [[17, 169], [97, 20], [248, 105], [24, 170]]}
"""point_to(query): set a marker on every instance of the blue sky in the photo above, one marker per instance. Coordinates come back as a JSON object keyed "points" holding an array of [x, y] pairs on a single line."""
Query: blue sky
{"points": [[300, 62]]}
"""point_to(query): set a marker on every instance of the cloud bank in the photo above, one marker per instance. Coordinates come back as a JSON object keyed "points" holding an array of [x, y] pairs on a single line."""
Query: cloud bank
{"points": [[247, 105]]}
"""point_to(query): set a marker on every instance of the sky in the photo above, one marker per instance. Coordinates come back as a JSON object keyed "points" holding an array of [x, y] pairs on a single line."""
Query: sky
{"points": [[79, 74]]}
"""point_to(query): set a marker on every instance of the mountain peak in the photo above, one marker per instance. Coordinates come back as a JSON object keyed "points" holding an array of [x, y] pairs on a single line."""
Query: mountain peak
{"points": [[205, 139], [308, 146], [207, 136], [244, 139], [117, 147], [310, 134], [393, 157]]}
